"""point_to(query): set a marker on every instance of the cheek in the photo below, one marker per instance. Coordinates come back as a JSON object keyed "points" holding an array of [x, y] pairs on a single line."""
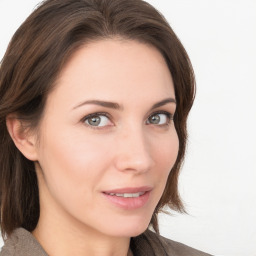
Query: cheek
{"points": [[167, 150], [73, 168], [72, 160], [165, 155]]}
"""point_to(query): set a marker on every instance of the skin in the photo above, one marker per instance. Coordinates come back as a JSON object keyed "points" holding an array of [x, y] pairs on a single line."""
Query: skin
{"points": [[78, 161]]}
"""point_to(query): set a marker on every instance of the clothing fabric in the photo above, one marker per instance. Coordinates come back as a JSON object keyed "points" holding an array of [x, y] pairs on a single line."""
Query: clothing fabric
{"points": [[152, 244], [23, 243]]}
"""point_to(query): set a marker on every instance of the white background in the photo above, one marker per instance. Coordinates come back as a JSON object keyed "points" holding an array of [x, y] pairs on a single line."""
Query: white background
{"points": [[218, 181]]}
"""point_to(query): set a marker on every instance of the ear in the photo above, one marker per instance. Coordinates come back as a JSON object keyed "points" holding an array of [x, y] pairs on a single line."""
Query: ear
{"points": [[24, 140]]}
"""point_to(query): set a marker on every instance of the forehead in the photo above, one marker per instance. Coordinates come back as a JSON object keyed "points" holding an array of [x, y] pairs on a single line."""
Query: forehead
{"points": [[115, 69]]}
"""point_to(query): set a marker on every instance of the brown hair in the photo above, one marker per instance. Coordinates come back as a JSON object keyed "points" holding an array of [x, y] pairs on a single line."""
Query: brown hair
{"points": [[32, 62]]}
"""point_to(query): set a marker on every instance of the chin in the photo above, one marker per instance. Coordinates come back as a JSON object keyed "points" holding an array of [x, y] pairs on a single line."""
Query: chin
{"points": [[131, 227]]}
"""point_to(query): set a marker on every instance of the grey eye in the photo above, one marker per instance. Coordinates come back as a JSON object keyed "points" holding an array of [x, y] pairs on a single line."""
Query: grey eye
{"points": [[154, 119], [97, 120], [158, 119], [94, 121]]}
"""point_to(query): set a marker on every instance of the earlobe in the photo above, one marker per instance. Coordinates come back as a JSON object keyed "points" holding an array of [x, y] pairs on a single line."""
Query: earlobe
{"points": [[22, 138]]}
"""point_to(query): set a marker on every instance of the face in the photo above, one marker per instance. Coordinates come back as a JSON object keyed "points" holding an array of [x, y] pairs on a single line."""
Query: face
{"points": [[107, 141]]}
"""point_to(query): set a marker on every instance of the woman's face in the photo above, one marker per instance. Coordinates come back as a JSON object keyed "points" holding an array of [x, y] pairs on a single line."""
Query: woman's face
{"points": [[107, 141]]}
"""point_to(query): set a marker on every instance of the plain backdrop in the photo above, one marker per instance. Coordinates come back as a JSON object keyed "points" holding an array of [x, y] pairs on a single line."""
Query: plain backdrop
{"points": [[218, 180]]}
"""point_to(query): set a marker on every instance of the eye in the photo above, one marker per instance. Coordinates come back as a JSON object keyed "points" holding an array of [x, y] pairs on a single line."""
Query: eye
{"points": [[97, 120], [160, 118]]}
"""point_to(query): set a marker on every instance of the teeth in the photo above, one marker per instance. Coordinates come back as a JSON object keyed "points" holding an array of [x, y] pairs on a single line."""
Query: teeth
{"points": [[127, 194]]}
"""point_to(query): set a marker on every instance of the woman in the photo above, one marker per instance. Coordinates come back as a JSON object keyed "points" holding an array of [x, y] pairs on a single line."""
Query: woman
{"points": [[94, 98]]}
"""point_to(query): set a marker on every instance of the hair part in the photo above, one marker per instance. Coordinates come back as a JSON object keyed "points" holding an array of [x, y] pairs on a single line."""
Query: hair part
{"points": [[35, 56]]}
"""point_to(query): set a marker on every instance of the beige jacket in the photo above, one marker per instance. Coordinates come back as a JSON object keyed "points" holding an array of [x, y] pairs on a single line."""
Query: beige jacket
{"points": [[23, 243]]}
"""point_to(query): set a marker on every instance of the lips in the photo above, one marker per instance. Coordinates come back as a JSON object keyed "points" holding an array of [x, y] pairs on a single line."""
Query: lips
{"points": [[127, 194], [129, 190], [128, 198]]}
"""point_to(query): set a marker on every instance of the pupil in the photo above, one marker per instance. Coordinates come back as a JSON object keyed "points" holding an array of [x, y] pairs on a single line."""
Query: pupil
{"points": [[155, 119], [94, 120]]}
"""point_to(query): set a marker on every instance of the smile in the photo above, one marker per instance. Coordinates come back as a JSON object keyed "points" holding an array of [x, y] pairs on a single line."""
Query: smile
{"points": [[128, 198], [127, 195]]}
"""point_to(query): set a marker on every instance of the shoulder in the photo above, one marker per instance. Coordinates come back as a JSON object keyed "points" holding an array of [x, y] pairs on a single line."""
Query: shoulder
{"points": [[150, 243], [22, 243]]}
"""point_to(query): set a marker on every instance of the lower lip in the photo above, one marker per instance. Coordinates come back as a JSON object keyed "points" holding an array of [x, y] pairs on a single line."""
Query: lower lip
{"points": [[129, 203]]}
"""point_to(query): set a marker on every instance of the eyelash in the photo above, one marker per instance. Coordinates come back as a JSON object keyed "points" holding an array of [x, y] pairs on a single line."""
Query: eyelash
{"points": [[93, 115], [168, 115]]}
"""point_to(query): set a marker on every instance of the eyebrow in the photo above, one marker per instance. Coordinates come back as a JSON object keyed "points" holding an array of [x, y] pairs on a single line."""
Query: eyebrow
{"points": [[106, 104], [116, 106], [163, 102]]}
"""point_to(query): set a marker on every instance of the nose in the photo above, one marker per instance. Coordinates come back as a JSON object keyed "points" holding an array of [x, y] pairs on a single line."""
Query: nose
{"points": [[133, 152]]}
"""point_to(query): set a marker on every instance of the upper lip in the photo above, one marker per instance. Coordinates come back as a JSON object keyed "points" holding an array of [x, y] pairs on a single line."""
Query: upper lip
{"points": [[129, 190]]}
